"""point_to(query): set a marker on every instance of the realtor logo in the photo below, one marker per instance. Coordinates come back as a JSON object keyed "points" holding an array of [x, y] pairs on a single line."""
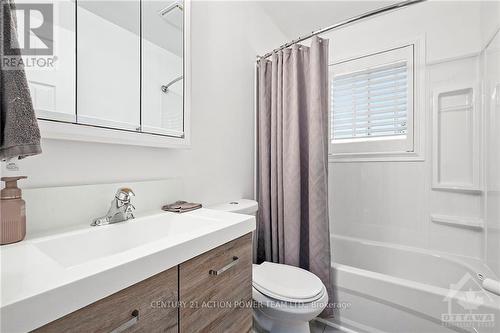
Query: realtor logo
{"points": [[35, 29], [27, 32], [469, 295]]}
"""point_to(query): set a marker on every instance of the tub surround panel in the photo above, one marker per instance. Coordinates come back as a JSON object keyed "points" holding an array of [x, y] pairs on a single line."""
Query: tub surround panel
{"points": [[456, 121], [393, 201], [458, 221], [491, 70], [392, 218], [467, 242]]}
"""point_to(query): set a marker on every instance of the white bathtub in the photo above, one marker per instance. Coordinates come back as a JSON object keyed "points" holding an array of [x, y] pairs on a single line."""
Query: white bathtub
{"points": [[390, 288]]}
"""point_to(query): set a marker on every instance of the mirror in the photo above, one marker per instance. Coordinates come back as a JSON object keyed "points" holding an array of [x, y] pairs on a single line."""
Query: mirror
{"points": [[108, 71], [127, 74], [51, 78], [162, 67]]}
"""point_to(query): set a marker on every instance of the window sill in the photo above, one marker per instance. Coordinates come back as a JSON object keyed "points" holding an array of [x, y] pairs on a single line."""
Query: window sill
{"points": [[376, 157]]}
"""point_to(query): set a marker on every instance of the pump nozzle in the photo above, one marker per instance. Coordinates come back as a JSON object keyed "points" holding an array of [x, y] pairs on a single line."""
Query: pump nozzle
{"points": [[11, 191]]}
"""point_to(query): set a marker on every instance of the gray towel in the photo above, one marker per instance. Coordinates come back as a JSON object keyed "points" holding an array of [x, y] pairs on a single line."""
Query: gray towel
{"points": [[19, 132], [181, 207]]}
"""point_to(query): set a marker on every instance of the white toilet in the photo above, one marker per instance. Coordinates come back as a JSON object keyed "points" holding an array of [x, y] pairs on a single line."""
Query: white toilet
{"points": [[286, 297]]}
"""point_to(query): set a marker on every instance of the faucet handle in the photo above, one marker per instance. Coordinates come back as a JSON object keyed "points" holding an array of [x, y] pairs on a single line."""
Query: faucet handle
{"points": [[124, 194]]}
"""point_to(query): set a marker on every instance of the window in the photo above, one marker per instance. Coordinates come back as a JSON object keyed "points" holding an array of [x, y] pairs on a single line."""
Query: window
{"points": [[371, 104]]}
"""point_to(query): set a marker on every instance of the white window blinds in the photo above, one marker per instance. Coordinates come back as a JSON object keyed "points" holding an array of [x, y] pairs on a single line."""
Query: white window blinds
{"points": [[370, 103]]}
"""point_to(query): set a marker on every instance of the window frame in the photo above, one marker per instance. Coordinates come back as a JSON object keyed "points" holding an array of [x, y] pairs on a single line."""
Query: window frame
{"points": [[384, 148]]}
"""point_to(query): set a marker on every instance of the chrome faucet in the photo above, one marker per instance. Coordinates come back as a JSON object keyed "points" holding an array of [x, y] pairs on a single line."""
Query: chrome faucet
{"points": [[121, 209]]}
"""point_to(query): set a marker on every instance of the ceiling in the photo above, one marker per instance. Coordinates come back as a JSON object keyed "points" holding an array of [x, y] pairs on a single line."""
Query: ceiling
{"points": [[299, 18]]}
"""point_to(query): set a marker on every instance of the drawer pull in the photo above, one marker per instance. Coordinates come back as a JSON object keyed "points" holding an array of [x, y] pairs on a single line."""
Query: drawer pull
{"points": [[129, 323], [225, 268]]}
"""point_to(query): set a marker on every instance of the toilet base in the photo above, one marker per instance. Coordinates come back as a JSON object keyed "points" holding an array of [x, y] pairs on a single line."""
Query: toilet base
{"points": [[265, 324]]}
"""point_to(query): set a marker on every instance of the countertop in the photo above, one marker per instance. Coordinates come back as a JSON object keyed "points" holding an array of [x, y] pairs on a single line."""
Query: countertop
{"points": [[37, 289]]}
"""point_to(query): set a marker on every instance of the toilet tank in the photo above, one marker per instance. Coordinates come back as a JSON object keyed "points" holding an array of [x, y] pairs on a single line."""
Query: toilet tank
{"points": [[241, 206]]}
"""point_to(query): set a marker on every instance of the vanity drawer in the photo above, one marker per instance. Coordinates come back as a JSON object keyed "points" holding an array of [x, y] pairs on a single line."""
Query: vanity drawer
{"points": [[114, 313], [215, 290]]}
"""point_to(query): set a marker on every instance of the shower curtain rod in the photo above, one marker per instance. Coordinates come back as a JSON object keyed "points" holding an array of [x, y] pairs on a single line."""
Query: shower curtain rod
{"points": [[343, 23]]}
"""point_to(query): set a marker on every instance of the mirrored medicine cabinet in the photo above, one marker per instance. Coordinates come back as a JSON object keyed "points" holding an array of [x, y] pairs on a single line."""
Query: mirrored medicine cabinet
{"points": [[120, 73]]}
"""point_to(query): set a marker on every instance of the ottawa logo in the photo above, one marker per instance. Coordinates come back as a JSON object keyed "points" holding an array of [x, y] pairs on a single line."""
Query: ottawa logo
{"points": [[466, 300]]}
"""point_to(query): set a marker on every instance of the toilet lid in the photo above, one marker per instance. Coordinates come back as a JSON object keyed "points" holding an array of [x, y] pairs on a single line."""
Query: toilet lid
{"points": [[287, 283]]}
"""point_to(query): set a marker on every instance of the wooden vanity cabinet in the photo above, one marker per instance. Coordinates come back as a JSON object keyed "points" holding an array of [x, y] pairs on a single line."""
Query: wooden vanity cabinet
{"points": [[215, 289], [129, 310], [209, 293]]}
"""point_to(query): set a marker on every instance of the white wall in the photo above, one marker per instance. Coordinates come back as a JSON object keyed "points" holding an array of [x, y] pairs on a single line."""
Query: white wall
{"points": [[226, 36], [393, 201]]}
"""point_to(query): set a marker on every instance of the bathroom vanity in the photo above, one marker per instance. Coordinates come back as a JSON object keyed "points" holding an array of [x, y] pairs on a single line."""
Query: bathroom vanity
{"points": [[168, 273], [195, 296]]}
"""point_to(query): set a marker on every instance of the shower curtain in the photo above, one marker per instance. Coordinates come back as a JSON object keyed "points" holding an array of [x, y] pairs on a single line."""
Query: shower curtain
{"points": [[292, 161]]}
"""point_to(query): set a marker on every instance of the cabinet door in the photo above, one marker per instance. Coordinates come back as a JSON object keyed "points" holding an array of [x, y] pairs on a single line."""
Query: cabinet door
{"points": [[50, 58], [163, 67], [215, 289], [148, 306], [108, 63]]}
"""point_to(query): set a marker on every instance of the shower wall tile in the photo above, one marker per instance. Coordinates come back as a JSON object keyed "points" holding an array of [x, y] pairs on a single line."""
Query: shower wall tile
{"points": [[392, 201]]}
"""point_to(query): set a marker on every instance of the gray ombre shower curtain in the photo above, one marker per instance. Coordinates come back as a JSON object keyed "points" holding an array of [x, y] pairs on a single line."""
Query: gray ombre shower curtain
{"points": [[292, 162]]}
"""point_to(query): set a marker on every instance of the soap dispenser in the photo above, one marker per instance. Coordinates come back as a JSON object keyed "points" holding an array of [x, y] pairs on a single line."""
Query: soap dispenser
{"points": [[12, 212]]}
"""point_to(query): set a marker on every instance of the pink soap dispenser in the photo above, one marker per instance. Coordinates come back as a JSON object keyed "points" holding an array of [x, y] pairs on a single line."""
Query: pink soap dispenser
{"points": [[12, 212]]}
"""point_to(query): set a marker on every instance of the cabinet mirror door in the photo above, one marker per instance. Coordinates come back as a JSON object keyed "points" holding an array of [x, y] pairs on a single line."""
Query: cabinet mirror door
{"points": [[49, 56], [108, 71], [120, 72], [162, 67]]}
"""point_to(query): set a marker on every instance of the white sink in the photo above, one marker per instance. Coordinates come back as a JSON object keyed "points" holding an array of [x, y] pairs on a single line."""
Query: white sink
{"points": [[49, 277], [76, 248]]}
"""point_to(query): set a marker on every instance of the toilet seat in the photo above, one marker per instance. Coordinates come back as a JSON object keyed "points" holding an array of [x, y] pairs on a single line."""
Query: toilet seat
{"points": [[287, 283]]}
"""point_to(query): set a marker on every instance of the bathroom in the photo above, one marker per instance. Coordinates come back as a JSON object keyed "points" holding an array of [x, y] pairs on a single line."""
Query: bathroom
{"points": [[143, 103]]}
